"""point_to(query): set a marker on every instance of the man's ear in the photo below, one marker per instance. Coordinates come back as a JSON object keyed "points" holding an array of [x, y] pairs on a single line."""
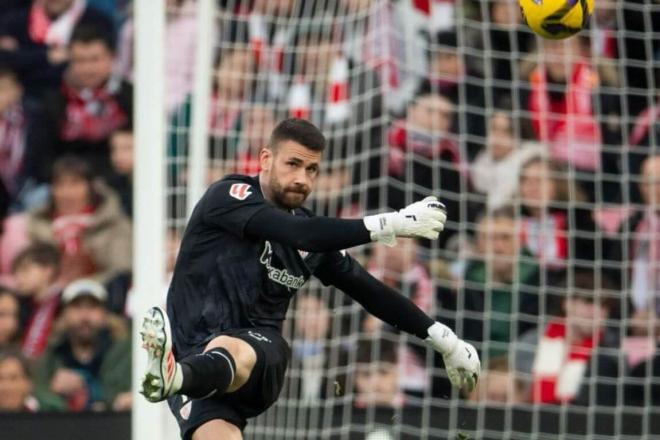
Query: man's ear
{"points": [[266, 158]]}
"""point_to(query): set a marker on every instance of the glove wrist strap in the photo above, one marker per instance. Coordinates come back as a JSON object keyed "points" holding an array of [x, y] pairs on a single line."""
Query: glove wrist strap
{"points": [[381, 228], [442, 338]]}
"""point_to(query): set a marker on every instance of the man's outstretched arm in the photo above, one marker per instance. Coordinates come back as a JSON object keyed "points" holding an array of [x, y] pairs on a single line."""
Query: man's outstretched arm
{"points": [[461, 359], [323, 234]]}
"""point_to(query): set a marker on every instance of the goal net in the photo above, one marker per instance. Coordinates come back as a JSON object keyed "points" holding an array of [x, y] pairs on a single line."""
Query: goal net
{"points": [[546, 156]]}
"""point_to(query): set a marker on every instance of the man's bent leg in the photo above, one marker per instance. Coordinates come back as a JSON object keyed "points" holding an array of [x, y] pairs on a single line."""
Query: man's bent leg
{"points": [[217, 429], [243, 354]]}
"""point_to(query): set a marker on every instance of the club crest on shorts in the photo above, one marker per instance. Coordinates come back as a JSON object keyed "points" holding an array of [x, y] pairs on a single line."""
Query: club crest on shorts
{"points": [[240, 191], [184, 412]]}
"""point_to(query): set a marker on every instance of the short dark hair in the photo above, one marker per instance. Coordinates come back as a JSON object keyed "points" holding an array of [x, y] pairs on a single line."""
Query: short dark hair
{"points": [[42, 254], [72, 166], [8, 72], [14, 353], [298, 130], [94, 32], [376, 350], [590, 285]]}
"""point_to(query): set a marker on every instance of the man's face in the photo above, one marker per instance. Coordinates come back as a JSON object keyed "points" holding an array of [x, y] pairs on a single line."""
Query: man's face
{"points": [[312, 318], [84, 317], [500, 140], [71, 194], [90, 65], [497, 242], [430, 114], [650, 185], [537, 188], [259, 121], [395, 260], [10, 93], [290, 171], [32, 278], [15, 385], [377, 383], [316, 56], [583, 316], [232, 72], [8, 319], [446, 65], [121, 152]]}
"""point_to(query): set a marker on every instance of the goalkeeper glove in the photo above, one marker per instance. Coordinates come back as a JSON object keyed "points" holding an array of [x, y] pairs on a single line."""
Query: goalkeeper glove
{"points": [[461, 359], [421, 219]]}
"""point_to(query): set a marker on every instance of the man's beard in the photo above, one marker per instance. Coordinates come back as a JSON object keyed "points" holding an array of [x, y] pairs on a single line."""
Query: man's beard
{"points": [[288, 198]]}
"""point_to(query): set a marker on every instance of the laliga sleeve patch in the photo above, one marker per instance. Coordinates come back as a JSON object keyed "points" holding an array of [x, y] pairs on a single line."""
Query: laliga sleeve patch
{"points": [[240, 191]]}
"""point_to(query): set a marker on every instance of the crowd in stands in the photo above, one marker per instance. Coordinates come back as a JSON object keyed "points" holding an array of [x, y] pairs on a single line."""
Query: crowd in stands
{"points": [[544, 152]]}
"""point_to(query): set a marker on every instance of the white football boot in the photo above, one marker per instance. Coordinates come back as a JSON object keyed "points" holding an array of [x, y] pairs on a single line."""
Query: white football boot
{"points": [[163, 376]]}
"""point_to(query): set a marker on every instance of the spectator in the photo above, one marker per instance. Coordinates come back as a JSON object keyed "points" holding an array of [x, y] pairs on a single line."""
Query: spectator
{"points": [[23, 158], [91, 103], [575, 355], [122, 159], [562, 105], [84, 219], [495, 169], [557, 227], [10, 325], [498, 385], [399, 267], [180, 39], [507, 35], [636, 250], [389, 38], [36, 270], [377, 375], [450, 76], [16, 387], [248, 136], [88, 364], [424, 156], [313, 359], [501, 298], [34, 40], [339, 94]]}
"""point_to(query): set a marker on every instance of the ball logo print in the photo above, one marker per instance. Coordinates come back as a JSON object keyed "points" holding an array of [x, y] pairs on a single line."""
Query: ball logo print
{"points": [[556, 19], [240, 191]]}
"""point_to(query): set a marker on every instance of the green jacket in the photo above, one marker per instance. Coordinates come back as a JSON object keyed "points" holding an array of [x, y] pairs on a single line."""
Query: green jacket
{"points": [[107, 375]]}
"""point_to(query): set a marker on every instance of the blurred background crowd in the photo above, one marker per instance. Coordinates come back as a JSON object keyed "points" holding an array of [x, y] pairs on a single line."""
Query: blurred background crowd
{"points": [[544, 152]]}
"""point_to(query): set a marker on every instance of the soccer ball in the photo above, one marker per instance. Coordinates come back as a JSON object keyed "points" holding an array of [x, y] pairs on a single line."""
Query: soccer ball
{"points": [[556, 19]]}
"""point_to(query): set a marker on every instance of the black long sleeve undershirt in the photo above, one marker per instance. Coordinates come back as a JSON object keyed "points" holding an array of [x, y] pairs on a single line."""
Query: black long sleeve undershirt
{"points": [[311, 234], [380, 300]]}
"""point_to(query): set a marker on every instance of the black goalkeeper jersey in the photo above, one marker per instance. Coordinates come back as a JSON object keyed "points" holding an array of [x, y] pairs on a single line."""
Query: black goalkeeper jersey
{"points": [[224, 279]]}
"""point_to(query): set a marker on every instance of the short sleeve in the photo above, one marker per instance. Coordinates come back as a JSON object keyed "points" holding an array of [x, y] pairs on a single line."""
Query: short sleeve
{"points": [[230, 204]]}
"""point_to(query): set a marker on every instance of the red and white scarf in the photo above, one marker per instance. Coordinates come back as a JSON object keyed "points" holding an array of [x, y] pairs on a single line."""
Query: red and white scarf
{"points": [[40, 324], [92, 114], [69, 229], [57, 32], [559, 366], [569, 127], [12, 145], [546, 238]]}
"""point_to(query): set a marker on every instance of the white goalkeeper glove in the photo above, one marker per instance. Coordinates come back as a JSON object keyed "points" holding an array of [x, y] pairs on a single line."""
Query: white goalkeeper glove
{"points": [[461, 359], [424, 219]]}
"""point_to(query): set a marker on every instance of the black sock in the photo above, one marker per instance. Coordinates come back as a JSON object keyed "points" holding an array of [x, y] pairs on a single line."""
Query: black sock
{"points": [[207, 372]]}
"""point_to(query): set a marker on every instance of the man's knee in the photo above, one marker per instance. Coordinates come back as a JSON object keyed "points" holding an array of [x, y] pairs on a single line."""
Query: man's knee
{"points": [[244, 357]]}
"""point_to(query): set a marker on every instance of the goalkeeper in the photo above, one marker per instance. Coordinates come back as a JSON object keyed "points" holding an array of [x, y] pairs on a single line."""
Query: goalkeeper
{"points": [[248, 247]]}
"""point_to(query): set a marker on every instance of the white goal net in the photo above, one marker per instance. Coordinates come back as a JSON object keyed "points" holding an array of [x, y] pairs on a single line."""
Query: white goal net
{"points": [[546, 156]]}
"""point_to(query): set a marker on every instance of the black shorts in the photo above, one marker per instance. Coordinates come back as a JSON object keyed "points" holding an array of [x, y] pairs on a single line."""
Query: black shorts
{"points": [[256, 396]]}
